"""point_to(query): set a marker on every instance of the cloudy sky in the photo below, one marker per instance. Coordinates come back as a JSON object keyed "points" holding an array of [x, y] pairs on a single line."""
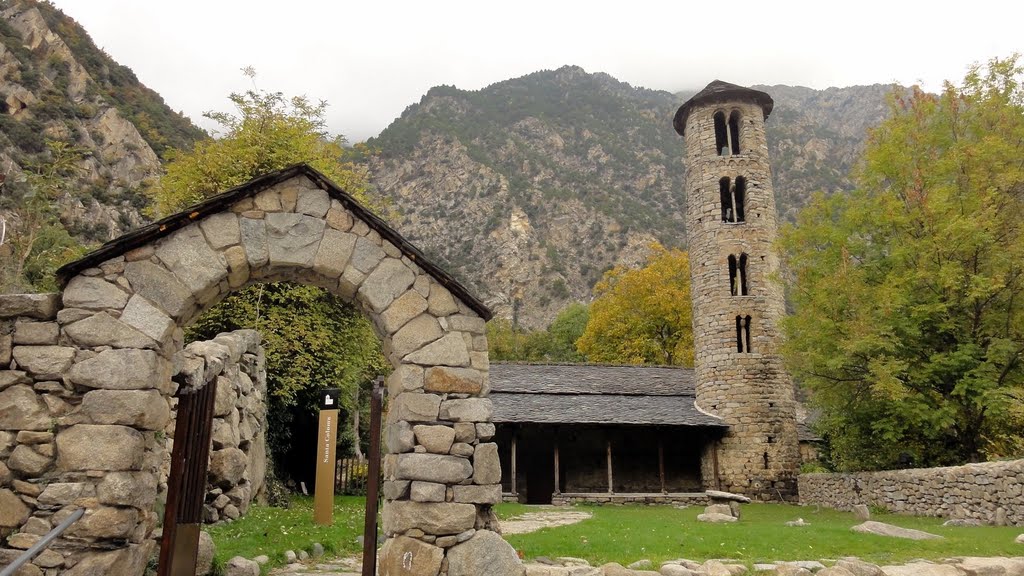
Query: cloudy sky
{"points": [[372, 58]]}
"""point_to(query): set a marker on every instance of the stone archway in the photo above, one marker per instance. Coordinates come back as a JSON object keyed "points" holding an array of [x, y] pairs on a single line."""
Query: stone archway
{"points": [[120, 331]]}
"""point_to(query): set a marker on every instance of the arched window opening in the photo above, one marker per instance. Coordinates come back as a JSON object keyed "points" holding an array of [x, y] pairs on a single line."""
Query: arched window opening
{"points": [[734, 132], [733, 197], [722, 146], [733, 280], [740, 198], [743, 274], [728, 215], [743, 334]]}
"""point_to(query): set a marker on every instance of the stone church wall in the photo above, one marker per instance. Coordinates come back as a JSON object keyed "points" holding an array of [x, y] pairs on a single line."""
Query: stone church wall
{"points": [[973, 491]]}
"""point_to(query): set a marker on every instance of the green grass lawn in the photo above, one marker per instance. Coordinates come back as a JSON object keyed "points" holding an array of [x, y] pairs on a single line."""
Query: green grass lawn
{"points": [[625, 534], [272, 531]]}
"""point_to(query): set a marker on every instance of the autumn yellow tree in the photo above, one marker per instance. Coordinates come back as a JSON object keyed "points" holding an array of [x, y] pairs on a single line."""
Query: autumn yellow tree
{"points": [[642, 316]]}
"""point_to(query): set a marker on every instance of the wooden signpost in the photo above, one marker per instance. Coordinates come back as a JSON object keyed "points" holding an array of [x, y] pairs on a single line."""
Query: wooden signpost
{"points": [[326, 449]]}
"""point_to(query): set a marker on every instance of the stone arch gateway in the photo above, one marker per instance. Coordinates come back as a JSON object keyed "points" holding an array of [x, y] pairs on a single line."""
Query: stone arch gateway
{"points": [[118, 338]]}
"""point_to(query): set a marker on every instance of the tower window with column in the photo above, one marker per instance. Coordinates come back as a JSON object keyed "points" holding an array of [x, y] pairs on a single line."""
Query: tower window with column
{"points": [[733, 199]]}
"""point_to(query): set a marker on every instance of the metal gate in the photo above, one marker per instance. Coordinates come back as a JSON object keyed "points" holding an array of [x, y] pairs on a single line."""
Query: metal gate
{"points": [[186, 484]]}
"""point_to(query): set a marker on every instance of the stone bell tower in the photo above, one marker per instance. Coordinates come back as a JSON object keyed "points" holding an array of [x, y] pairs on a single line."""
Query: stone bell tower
{"points": [[737, 304]]}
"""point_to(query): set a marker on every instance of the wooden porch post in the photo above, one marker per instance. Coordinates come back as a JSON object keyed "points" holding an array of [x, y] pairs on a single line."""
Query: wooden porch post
{"points": [[557, 483], [515, 436], [610, 467], [661, 462]]}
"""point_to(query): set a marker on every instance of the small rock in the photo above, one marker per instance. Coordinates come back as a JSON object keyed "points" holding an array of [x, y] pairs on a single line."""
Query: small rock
{"points": [[239, 566], [716, 518], [318, 550], [861, 512], [812, 565], [1020, 539], [676, 570], [303, 555], [791, 570], [798, 522], [289, 556], [643, 564], [858, 567], [1001, 518], [261, 559]]}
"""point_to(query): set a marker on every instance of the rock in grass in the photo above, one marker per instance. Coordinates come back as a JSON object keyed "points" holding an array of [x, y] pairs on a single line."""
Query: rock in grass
{"points": [[883, 529]]}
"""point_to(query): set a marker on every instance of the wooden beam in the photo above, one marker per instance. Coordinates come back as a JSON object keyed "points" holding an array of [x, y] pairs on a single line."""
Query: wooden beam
{"points": [[515, 437], [557, 483], [661, 463], [610, 490]]}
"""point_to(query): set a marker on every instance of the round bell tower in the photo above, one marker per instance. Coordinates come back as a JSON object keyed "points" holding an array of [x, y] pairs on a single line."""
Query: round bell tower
{"points": [[737, 303]]}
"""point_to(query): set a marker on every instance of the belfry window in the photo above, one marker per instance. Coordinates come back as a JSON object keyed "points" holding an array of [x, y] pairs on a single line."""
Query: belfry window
{"points": [[734, 132], [733, 197], [738, 275], [743, 334], [722, 146]]}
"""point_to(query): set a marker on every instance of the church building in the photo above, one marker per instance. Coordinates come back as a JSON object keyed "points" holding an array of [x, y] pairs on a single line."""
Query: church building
{"points": [[570, 433]]}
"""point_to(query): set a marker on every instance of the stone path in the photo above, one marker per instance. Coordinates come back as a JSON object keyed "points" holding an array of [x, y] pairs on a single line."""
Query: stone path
{"points": [[529, 522]]}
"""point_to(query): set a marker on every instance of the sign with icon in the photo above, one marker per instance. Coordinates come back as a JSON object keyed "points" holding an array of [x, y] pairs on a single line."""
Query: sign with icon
{"points": [[326, 453]]}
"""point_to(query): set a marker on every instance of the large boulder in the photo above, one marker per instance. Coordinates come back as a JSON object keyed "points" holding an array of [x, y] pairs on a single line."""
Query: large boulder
{"points": [[403, 556], [883, 529], [485, 553]]}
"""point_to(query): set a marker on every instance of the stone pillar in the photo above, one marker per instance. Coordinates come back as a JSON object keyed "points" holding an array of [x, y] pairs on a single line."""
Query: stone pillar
{"points": [[741, 380]]}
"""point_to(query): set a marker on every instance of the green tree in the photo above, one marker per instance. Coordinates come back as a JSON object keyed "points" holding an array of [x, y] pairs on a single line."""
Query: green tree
{"points": [[642, 316], [907, 324], [35, 241], [313, 339], [557, 343]]}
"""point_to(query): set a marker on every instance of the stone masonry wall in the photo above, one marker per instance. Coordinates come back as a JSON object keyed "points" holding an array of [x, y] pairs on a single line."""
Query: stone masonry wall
{"points": [[92, 390], [238, 456], [749, 390], [973, 491]]}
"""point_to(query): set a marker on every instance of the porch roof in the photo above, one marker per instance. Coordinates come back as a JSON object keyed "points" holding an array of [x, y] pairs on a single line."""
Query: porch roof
{"points": [[596, 394]]}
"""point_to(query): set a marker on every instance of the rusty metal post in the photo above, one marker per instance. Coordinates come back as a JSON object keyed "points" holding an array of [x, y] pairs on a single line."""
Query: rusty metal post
{"points": [[373, 481]]}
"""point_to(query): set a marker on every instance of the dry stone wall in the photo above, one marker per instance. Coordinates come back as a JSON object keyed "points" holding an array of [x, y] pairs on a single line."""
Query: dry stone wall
{"points": [[990, 492], [750, 389], [120, 330], [238, 456]]}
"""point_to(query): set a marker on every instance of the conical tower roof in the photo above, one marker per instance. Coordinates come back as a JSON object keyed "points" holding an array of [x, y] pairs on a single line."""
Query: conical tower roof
{"points": [[719, 91]]}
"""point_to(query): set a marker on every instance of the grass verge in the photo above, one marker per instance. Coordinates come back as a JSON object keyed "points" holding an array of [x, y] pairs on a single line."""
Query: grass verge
{"points": [[272, 531], [625, 534]]}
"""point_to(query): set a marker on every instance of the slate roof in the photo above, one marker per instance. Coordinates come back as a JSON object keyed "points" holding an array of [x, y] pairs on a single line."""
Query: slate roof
{"points": [[719, 91], [221, 202], [595, 394]]}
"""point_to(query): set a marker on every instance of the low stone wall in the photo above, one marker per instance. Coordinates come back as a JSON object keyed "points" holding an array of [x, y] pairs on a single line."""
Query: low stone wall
{"points": [[238, 456], [973, 491], [688, 498]]}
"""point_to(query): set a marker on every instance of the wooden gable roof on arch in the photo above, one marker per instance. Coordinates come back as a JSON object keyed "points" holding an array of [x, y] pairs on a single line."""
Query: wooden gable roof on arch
{"points": [[224, 200]]}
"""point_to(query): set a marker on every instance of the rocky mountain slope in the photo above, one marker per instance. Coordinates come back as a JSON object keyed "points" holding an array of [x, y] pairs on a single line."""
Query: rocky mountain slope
{"points": [[530, 188], [56, 84]]}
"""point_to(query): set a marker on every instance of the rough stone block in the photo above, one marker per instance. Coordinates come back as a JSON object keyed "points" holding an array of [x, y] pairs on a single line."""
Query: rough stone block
{"points": [[99, 447], [387, 281], [486, 465], [403, 556], [400, 437], [125, 369], [415, 334], [254, 239], [104, 330], [159, 286], [421, 491], [366, 255], [22, 409], [396, 489], [221, 230], [406, 307], [13, 512], [436, 439], [105, 522], [35, 333], [227, 466], [187, 255], [143, 316], [39, 306], [433, 468], [145, 409], [450, 350], [413, 407], [467, 410], [94, 294], [441, 302], [29, 462], [485, 553], [490, 494], [443, 379], [333, 253], [432, 518], [44, 362], [405, 378], [293, 239], [313, 202], [64, 493]]}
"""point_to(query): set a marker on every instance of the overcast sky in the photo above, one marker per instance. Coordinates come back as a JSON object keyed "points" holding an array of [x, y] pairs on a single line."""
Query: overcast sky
{"points": [[371, 58]]}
